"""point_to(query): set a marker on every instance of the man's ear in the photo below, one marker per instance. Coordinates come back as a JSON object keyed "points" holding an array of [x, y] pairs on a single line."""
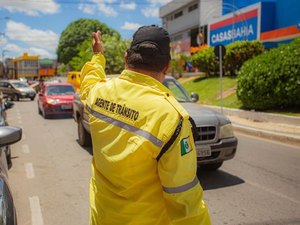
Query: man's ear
{"points": [[166, 69]]}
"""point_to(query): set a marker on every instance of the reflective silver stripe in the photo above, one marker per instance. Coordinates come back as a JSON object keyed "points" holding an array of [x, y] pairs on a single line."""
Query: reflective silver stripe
{"points": [[126, 126], [185, 187]]}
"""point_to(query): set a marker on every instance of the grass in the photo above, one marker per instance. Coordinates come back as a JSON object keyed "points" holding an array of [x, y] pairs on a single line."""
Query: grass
{"points": [[208, 90]]}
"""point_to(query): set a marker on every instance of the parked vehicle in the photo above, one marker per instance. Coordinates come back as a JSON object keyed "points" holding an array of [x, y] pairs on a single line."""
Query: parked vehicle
{"points": [[8, 135], [16, 89], [55, 99], [4, 105], [74, 79], [212, 131]]}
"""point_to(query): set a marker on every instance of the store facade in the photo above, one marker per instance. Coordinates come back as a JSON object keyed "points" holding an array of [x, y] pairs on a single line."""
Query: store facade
{"points": [[192, 24]]}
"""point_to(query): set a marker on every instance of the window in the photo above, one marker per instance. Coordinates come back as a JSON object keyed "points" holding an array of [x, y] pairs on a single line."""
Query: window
{"points": [[179, 14], [30, 63], [193, 7]]}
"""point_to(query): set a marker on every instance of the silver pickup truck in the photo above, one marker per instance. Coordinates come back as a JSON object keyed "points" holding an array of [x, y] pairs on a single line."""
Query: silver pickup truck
{"points": [[212, 131]]}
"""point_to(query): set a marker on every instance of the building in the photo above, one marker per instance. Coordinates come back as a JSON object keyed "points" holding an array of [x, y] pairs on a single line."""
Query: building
{"points": [[187, 21], [29, 67], [225, 21], [47, 67], [26, 66]]}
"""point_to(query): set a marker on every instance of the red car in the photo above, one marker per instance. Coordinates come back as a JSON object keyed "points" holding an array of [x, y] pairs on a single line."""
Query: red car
{"points": [[55, 99]]}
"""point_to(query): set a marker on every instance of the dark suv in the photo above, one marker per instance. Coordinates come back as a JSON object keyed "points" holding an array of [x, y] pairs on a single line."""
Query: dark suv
{"points": [[16, 89]]}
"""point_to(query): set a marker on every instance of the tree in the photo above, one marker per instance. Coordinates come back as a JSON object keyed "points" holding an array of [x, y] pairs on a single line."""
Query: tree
{"points": [[84, 55], [114, 50], [75, 34]]}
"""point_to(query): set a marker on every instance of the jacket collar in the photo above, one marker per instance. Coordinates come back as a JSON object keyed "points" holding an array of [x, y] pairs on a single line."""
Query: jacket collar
{"points": [[144, 80]]}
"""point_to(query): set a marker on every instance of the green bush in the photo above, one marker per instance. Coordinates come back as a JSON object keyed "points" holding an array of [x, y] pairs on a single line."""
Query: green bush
{"points": [[239, 52], [272, 79], [236, 54], [206, 61]]}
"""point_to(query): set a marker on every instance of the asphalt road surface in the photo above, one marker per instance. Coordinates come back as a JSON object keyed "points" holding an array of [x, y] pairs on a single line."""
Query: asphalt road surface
{"points": [[50, 177]]}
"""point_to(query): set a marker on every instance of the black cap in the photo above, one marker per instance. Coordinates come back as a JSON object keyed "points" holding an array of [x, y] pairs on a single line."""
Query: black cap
{"points": [[154, 35]]}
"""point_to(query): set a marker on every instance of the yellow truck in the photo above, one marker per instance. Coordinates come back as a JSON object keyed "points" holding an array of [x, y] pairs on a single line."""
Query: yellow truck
{"points": [[74, 79]]}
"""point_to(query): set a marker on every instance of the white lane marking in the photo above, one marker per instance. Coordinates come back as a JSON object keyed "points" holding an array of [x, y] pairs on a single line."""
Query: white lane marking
{"points": [[272, 192], [25, 149], [36, 212], [29, 170]]}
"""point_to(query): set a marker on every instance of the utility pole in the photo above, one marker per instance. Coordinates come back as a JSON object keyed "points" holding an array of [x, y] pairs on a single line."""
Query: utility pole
{"points": [[3, 64], [3, 51]]}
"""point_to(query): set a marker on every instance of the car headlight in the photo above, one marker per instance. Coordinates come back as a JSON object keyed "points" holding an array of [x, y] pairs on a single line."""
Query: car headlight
{"points": [[52, 101], [226, 131]]}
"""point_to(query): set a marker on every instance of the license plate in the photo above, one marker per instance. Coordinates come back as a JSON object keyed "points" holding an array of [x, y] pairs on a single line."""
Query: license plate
{"points": [[203, 150], [66, 107]]}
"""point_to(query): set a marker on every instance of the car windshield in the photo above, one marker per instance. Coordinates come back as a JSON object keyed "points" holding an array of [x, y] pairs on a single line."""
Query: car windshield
{"points": [[60, 90], [20, 84], [180, 93]]}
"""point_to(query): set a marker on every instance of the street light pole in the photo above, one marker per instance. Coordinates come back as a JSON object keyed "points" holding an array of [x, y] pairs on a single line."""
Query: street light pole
{"points": [[3, 64]]}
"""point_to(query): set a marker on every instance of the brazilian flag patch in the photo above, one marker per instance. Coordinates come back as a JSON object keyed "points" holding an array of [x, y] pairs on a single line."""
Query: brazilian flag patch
{"points": [[185, 146]]}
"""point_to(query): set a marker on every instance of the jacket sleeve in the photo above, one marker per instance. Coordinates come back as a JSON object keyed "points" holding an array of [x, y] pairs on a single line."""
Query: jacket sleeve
{"points": [[182, 191], [91, 73]]}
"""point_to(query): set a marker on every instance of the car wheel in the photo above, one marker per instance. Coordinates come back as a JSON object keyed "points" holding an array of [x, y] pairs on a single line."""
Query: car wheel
{"points": [[212, 166], [45, 115], [32, 98], [8, 157], [84, 138]]}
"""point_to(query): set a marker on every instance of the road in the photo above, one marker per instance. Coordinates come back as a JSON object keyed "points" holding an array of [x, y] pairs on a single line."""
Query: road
{"points": [[50, 177]]}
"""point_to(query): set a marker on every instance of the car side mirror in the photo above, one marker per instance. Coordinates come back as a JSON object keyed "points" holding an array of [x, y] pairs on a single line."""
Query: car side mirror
{"points": [[9, 135], [195, 97]]}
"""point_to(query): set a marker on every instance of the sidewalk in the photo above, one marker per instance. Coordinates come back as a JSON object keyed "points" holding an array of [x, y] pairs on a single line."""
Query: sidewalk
{"points": [[274, 126]]}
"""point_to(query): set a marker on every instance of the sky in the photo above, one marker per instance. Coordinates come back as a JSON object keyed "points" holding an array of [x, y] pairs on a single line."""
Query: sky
{"points": [[35, 26]]}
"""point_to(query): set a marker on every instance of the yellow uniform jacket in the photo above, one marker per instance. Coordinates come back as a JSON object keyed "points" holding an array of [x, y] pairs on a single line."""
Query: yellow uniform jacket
{"points": [[132, 119]]}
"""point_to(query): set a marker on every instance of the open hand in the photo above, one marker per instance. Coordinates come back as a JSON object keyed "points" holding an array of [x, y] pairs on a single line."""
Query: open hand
{"points": [[97, 44]]}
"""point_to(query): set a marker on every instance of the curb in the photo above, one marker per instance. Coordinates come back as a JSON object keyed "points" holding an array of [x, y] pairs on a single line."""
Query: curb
{"points": [[289, 139], [258, 116], [261, 117]]}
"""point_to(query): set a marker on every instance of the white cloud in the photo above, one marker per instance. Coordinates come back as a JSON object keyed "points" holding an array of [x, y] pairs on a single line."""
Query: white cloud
{"points": [[128, 6], [86, 8], [131, 26], [151, 11], [31, 7], [17, 50], [160, 2], [13, 48], [103, 7], [42, 53], [3, 40], [36, 38]]}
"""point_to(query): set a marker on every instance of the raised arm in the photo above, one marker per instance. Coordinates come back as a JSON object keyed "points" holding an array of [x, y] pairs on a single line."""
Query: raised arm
{"points": [[93, 71]]}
